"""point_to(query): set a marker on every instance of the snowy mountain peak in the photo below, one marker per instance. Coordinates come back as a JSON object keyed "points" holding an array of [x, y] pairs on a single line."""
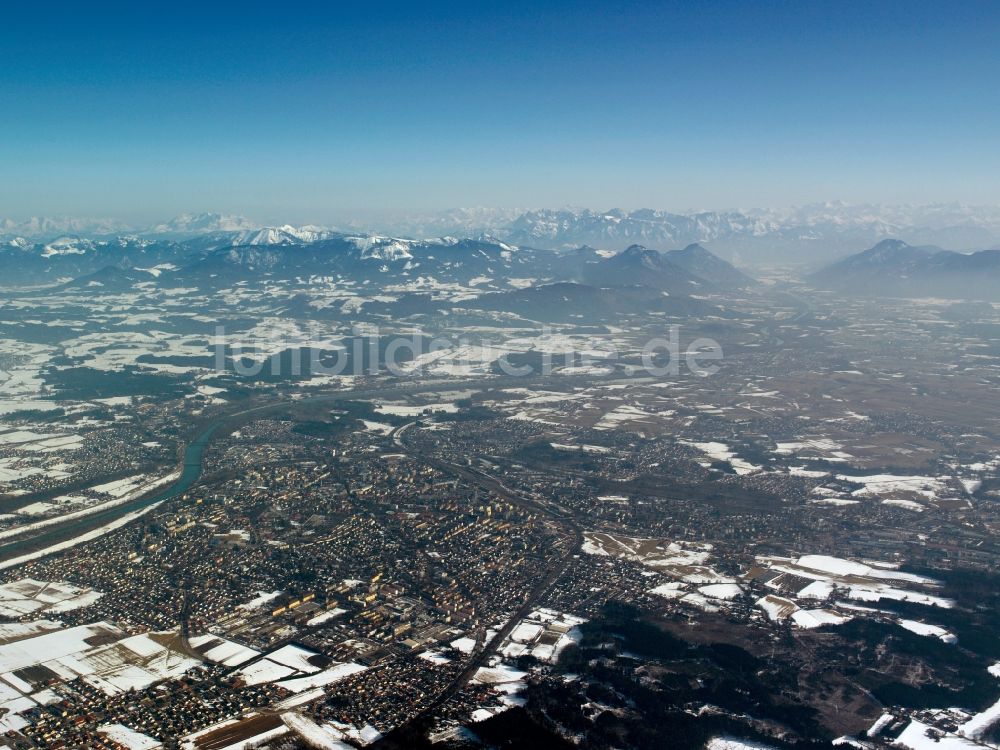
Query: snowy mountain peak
{"points": [[382, 248], [67, 246]]}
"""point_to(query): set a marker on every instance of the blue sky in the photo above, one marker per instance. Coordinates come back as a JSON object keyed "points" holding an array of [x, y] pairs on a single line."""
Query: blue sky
{"points": [[319, 112]]}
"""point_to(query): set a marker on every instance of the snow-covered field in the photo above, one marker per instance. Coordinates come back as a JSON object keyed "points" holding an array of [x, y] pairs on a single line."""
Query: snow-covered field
{"points": [[28, 596], [79, 506], [223, 651], [85, 537], [127, 737], [832, 579], [119, 664], [543, 634], [731, 743], [721, 452]]}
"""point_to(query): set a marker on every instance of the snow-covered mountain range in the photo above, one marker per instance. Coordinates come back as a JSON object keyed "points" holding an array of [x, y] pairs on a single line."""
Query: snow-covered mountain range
{"points": [[811, 234]]}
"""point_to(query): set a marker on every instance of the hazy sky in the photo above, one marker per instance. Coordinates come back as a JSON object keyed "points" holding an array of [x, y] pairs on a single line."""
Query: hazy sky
{"points": [[314, 112]]}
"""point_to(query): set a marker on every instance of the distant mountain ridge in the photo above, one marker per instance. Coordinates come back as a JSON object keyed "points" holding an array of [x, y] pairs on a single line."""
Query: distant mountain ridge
{"points": [[640, 266], [811, 233], [216, 260], [199, 223], [38, 227], [893, 268], [701, 263]]}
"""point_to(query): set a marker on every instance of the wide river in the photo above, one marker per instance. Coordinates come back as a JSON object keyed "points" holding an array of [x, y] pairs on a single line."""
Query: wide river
{"points": [[189, 475], [194, 453]]}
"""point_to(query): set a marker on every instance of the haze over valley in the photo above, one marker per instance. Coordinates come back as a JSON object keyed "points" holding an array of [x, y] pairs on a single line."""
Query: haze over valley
{"points": [[682, 431]]}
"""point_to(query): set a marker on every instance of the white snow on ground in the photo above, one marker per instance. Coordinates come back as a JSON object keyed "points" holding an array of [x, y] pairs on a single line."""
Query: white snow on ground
{"points": [[434, 657], [14, 469], [922, 628], [971, 486], [721, 591], [801, 471], [328, 676], [499, 674], [125, 663], [976, 727], [651, 552], [21, 437], [28, 596], [841, 567], [919, 736], [264, 671], [364, 736], [817, 590], [731, 743], [119, 487], [884, 484], [906, 504], [824, 448], [863, 581], [287, 661], [526, 632], [53, 645], [261, 600], [380, 428], [324, 617], [482, 714], [815, 444], [315, 736], [874, 594], [77, 541], [10, 406], [814, 618], [464, 645], [295, 657], [703, 603], [777, 608], [880, 725], [585, 449], [130, 492], [223, 651], [133, 663], [460, 361], [722, 452], [622, 415], [543, 634], [127, 737], [672, 590], [16, 631]]}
